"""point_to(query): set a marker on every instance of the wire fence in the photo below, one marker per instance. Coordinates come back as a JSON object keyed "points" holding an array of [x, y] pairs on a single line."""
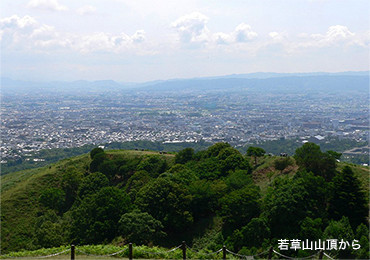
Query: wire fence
{"points": [[37, 257], [128, 252]]}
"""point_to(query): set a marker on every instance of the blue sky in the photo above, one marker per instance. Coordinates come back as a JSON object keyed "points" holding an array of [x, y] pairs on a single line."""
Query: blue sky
{"points": [[139, 40]]}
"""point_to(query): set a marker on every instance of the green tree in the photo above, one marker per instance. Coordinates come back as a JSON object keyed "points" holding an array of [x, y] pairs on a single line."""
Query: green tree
{"points": [[251, 235], [334, 154], [289, 201], [208, 168], [98, 159], [238, 179], [128, 168], [108, 168], [53, 198], [348, 198], [362, 235], [255, 152], [204, 198], [167, 202], [153, 164], [311, 229], [49, 230], [71, 180], [340, 230], [96, 219], [230, 159], [140, 228], [136, 182], [215, 149], [95, 151], [92, 184], [240, 206], [310, 158], [184, 156]]}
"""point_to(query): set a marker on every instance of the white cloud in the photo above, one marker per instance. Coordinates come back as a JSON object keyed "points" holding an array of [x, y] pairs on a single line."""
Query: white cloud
{"points": [[27, 34], [50, 5], [107, 43], [336, 35], [15, 22], [243, 33], [276, 36], [222, 38], [192, 28], [86, 10], [139, 36], [14, 29]]}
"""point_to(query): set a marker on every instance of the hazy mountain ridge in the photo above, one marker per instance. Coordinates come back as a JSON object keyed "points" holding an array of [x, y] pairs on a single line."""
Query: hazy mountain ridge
{"points": [[261, 81]]}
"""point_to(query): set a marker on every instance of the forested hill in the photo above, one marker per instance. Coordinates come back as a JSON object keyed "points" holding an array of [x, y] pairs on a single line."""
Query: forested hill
{"points": [[208, 198]]}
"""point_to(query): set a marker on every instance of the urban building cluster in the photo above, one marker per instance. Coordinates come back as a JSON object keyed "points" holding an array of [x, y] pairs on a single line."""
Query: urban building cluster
{"points": [[42, 120]]}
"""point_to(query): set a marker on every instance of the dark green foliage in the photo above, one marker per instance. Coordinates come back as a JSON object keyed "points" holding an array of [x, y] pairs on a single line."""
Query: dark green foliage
{"points": [[311, 229], [153, 164], [207, 168], [182, 174], [97, 161], [96, 219], [49, 230], [282, 163], [230, 159], [240, 206], [251, 235], [310, 158], [71, 180], [348, 198], [53, 198], [136, 182], [340, 230], [362, 235], [128, 168], [205, 198], [167, 202], [92, 184], [215, 149], [238, 179], [334, 154], [184, 155], [109, 168], [140, 228], [289, 201], [95, 151]]}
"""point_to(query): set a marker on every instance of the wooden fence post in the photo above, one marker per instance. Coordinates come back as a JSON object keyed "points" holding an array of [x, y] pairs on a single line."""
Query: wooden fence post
{"points": [[321, 254], [224, 252], [130, 251], [270, 253], [183, 250], [72, 252]]}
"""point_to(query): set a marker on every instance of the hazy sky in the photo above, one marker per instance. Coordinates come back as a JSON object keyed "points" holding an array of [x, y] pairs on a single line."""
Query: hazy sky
{"points": [[137, 40]]}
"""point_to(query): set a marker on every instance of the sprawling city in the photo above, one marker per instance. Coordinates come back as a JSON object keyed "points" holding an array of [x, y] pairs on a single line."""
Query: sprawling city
{"points": [[32, 121]]}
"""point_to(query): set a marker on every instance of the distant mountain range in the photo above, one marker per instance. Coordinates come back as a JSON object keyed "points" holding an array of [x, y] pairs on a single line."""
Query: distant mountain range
{"points": [[261, 81]]}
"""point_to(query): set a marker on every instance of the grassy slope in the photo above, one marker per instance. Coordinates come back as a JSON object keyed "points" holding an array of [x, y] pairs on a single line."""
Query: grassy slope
{"points": [[20, 190], [265, 172], [19, 198]]}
